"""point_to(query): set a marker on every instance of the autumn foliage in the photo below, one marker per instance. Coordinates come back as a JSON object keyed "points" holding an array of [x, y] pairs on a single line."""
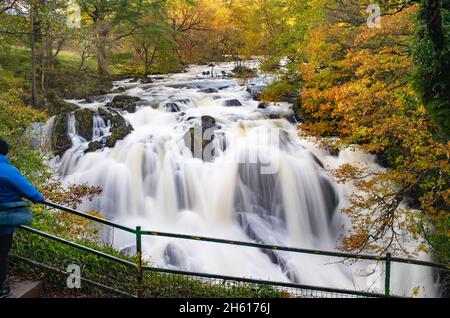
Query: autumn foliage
{"points": [[358, 86]]}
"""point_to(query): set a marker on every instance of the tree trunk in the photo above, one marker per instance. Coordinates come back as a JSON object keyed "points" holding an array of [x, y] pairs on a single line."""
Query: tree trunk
{"points": [[102, 68], [430, 14], [33, 55], [102, 32]]}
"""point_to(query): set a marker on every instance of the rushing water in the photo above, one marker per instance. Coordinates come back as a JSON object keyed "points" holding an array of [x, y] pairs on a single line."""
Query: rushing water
{"points": [[282, 195]]}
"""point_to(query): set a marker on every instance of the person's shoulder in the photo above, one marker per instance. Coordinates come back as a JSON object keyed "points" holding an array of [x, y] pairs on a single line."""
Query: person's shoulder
{"points": [[7, 170]]}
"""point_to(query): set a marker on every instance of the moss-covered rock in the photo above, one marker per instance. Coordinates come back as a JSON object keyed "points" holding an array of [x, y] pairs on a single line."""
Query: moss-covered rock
{"points": [[57, 105], [84, 122], [60, 141], [196, 139], [120, 128], [94, 146], [124, 102], [244, 71]]}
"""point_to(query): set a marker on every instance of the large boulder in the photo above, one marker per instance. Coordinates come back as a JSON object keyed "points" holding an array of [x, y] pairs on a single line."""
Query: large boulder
{"points": [[232, 103], [124, 102], [172, 107], [120, 128], [196, 139], [84, 122], [60, 141], [331, 197], [208, 122], [209, 90], [57, 105], [94, 146]]}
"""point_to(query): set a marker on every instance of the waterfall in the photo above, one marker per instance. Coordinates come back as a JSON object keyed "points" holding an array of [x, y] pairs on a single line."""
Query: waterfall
{"points": [[264, 184]]}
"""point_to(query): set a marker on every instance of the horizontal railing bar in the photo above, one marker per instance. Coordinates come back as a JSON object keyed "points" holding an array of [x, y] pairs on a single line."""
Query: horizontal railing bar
{"points": [[265, 246], [419, 263], [250, 244], [262, 282], [94, 283], [90, 217], [78, 246]]}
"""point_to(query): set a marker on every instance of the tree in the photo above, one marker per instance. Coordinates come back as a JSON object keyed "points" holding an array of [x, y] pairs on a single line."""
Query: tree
{"points": [[432, 57], [111, 20], [357, 85]]}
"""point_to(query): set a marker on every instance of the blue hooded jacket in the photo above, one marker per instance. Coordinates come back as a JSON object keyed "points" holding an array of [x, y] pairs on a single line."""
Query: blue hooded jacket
{"points": [[14, 187]]}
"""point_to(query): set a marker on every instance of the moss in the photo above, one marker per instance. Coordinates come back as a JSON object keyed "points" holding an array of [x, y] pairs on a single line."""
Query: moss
{"points": [[57, 105], [60, 140], [84, 122], [119, 126], [244, 72], [125, 102]]}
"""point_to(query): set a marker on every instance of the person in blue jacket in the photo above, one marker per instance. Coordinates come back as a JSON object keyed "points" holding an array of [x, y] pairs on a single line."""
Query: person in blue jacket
{"points": [[13, 187]]}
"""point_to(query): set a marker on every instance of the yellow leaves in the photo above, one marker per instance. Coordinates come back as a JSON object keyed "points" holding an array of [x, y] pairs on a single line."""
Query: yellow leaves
{"points": [[416, 291]]}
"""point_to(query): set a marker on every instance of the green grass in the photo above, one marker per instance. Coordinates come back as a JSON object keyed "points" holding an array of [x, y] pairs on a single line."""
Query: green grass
{"points": [[64, 77]]}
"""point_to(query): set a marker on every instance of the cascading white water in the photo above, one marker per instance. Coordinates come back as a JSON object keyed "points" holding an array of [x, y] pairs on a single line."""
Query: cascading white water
{"points": [[152, 179]]}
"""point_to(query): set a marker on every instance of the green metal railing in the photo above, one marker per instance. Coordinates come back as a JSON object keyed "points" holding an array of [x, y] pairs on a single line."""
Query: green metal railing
{"points": [[141, 268]]}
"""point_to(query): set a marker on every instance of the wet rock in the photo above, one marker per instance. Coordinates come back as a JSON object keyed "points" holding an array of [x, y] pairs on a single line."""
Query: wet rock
{"points": [[263, 105], [124, 102], [84, 122], [244, 71], [171, 108], [317, 160], [129, 250], [281, 114], [120, 128], [382, 160], [207, 122], [232, 103], [60, 141], [197, 138], [118, 89], [246, 221], [185, 101], [331, 198], [209, 90], [267, 201], [173, 256], [146, 80], [57, 105], [333, 151], [94, 146]]}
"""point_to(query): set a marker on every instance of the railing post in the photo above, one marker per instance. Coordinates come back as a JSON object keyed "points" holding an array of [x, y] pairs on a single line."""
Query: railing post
{"points": [[387, 278], [139, 261]]}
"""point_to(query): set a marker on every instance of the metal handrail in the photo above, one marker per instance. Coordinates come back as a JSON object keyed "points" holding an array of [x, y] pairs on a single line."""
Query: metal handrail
{"points": [[250, 244], [140, 268]]}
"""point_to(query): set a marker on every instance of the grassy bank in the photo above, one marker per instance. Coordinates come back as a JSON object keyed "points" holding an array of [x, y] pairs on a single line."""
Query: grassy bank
{"points": [[65, 76]]}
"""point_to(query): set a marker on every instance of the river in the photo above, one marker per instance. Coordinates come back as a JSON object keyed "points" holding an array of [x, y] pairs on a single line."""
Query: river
{"points": [[263, 183]]}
